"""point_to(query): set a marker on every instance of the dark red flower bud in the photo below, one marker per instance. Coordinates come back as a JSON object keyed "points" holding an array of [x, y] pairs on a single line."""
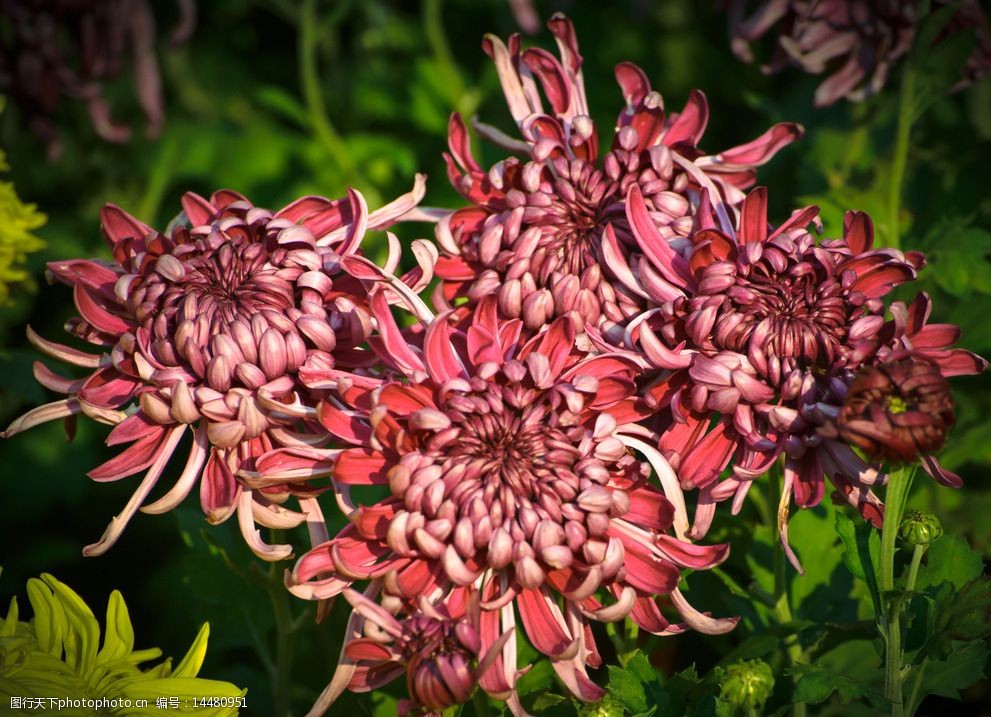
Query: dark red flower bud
{"points": [[898, 409]]}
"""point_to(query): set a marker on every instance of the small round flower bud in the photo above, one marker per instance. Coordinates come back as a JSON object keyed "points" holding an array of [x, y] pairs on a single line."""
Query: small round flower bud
{"points": [[746, 684], [920, 528]]}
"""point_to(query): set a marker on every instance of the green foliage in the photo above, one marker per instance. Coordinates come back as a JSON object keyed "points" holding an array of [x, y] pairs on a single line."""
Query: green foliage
{"points": [[815, 684], [642, 691], [17, 239], [58, 655]]}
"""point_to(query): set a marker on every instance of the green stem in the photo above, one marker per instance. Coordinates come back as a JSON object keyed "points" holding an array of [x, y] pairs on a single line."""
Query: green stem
{"points": [[161, 175], [481, 703], [310, 79], [283, 674], [433, 27], [903, 134], [899, 484], [893, 662], [908, 708], [781, 600], [913, 697], [913, 569]]}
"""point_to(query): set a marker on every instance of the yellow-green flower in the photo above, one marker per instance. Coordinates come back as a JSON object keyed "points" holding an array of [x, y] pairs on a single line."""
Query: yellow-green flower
{"points": [[57, 658], [17, 221]]}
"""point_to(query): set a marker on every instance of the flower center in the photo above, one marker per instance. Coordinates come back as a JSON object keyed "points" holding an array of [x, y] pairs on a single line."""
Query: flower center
{"points": [[568, 210], [798, 322], [509, 474], [895, 405]]}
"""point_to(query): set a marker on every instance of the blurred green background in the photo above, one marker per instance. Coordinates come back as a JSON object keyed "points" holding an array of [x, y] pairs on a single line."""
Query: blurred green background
{"points": [[280, 99]]}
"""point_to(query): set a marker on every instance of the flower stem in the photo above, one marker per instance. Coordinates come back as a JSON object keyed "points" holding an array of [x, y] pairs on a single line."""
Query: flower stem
{"points": [[481, 703], [308, 29], [913, 569], [903, 134], [781, 599], [899, 483], [282, 677]]}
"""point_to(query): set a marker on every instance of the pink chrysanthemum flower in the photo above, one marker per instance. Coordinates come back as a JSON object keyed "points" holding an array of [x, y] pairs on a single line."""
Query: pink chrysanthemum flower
{"points": [[205, 328], [439, 649], [534, 233], [858, 42], [764, 328], [508, 469]]}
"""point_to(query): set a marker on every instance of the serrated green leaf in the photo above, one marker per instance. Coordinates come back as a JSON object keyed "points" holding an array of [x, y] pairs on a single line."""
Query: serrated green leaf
{"points": [[950, 559], [962, 668], [963, 614], [626, 686], [816, 684], [939, 65]]}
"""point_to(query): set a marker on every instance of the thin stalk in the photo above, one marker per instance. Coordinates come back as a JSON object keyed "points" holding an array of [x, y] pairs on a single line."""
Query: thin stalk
{"points": [[899, 483], [433, 27], [903, 134], [309, 77], [913, 697], [481, 703], [893, 662], [632, 633], [913, 568], [781, 598], [282, 676], [908, 708]]}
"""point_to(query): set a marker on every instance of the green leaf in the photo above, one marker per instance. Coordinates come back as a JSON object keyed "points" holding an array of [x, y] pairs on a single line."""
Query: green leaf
{"points": [[546, 701], [963, 614], [627, 686], [951, 560], [963, 667], [815, 684], [861, 553], [973, 444], [282, 103], [960, 262], [939, 65]]}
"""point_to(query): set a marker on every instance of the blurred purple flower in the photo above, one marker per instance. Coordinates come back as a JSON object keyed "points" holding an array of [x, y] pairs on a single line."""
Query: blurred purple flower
{"points": [[56, 49], [858, 42], [206, 328]]}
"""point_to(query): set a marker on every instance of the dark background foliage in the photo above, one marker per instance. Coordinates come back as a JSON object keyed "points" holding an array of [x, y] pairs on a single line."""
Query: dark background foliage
{"points": [[279, 99]]}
